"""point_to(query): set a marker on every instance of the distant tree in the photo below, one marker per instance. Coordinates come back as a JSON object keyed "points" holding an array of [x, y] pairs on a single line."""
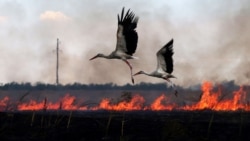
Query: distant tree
{"points": [[229, 85]]}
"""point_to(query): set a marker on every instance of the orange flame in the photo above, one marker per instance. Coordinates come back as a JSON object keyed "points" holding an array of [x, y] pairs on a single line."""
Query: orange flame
{"points": [[4, 103], [66, 103], [238, 102], [136, 103], [209, 99], [161, 103], [32, 105]]}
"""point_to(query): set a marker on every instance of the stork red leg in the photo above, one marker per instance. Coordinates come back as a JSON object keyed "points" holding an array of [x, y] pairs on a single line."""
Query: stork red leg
{"points": [[132, 78], [173, 86]]}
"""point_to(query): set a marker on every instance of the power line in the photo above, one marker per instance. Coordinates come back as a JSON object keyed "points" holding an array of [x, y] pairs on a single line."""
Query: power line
{"points": [[57, 62]]}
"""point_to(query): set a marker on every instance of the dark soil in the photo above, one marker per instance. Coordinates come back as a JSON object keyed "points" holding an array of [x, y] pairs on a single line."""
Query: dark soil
{"points": [[124, 126]]}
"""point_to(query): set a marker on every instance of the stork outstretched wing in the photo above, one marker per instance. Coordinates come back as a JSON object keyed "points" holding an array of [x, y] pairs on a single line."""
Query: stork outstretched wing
{"points": [[164, 58], [127, 37]]}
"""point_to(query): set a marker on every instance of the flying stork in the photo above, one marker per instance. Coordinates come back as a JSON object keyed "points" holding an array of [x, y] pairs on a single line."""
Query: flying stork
{"points": [[127, 39], [164, 64]]}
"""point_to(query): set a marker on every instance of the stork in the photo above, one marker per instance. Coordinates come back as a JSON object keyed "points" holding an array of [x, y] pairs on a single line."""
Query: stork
{"points": [[164, 64], [127, 39]]}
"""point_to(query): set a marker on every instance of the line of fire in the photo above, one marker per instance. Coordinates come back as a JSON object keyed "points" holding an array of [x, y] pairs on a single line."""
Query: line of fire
{"points": [[209, 99]]}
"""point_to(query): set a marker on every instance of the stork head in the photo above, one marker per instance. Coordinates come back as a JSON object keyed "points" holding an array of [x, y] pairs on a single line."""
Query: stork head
{"points": [[98, 55], [140, 72]]}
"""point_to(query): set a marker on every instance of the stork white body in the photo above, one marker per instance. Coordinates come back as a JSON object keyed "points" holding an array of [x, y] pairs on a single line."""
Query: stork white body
{"points": [[164, 64], [127, 39]]}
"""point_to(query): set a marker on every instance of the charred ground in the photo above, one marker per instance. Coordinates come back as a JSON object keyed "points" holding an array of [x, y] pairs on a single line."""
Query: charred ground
{"points": [[134, 125], [139, 125]]}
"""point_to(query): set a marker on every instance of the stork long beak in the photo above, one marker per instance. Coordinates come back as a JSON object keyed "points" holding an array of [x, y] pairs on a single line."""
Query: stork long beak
{"points": [[93, 58]]}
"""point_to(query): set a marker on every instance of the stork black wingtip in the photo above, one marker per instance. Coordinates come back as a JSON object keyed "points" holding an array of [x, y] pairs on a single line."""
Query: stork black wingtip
{"points": [[122, 13], [170, 42]]}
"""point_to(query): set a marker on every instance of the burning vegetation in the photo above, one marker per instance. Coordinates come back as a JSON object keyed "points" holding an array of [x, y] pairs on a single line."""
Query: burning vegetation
{"points": [[131, 116], [210, 99]]}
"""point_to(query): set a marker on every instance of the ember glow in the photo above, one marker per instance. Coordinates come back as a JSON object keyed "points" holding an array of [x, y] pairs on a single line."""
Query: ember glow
{"points": [[209, 99]]}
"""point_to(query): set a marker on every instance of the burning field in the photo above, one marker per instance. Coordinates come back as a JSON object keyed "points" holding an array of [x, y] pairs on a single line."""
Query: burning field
{"points": [[208, 113], [208, 99]]}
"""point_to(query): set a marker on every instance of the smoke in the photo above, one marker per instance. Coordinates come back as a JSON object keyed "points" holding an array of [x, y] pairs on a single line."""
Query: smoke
{"points": [[210, 40], [215, 45]]}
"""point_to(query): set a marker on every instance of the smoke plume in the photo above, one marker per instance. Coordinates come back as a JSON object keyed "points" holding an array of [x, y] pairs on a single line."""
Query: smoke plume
{"points": [[210, 40]]}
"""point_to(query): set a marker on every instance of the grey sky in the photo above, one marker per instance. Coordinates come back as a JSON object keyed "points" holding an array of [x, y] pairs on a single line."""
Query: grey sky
{"points": [[211, 40]]}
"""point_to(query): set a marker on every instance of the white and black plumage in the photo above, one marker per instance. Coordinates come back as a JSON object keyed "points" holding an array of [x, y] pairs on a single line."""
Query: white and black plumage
{"points": [[164, 64], [127, 39]]}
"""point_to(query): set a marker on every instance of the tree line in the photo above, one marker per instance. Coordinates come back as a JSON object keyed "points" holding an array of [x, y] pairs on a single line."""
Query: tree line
{"points": [[79, 86], [229, 85]]}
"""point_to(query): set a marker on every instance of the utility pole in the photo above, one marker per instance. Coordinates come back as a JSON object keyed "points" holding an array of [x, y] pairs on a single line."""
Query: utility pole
{"points": [[57, 61]]}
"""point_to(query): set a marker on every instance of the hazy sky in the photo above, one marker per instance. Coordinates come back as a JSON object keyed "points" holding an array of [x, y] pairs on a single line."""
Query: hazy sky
{"points": [[211, 40]]}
